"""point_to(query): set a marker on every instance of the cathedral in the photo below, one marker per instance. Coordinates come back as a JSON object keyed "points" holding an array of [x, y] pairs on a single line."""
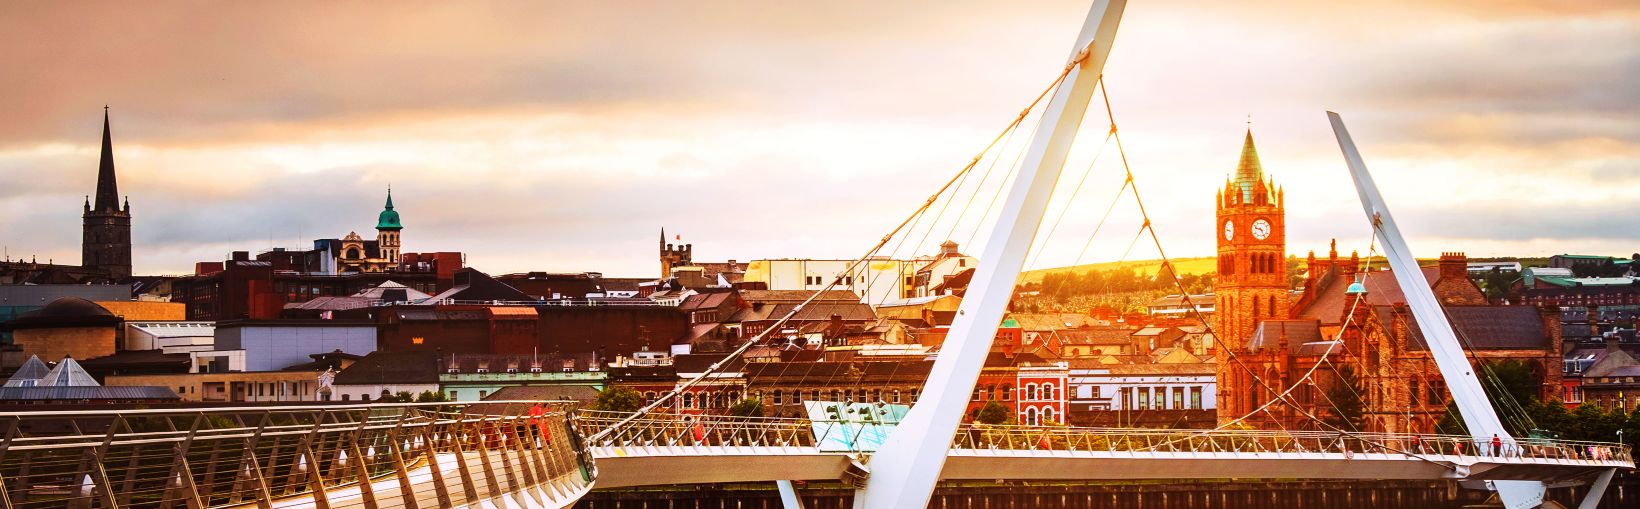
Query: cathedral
{"points": [[106, 234], [1347, 321]]}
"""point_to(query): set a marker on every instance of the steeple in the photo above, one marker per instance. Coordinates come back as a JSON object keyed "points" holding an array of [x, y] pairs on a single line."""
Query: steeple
{"points": [[388, 219], [108, 190], [1249, 173]]}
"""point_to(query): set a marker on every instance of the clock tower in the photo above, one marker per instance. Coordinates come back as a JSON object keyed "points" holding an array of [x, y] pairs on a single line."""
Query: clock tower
{"points": [[1251, 284]]}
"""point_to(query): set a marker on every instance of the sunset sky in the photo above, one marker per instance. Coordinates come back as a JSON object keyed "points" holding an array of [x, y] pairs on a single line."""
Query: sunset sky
{"points": [[562, 136]]}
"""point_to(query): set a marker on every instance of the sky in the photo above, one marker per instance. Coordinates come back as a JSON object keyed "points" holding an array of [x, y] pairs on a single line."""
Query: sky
{"points": [[562, 136]]}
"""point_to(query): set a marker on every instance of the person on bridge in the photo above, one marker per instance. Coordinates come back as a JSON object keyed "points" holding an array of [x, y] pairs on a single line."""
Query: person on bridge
{"points": [[1497, 445]]}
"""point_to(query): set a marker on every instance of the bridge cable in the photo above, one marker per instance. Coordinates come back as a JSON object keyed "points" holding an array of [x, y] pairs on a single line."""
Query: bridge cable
{"points": [[714, 367]]}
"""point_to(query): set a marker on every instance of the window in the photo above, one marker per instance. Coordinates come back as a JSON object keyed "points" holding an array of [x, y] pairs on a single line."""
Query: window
{"points": [[777, 398], [1196, 398], [1412, 388], [454, 395], [1178, 398], [1143, 397], [896, 396], [1007, 392], [1030, 416], [483, 393], [1435, 395], [688, 400], [347, 397], [1030, 392], [417, 340], [364, 397]]}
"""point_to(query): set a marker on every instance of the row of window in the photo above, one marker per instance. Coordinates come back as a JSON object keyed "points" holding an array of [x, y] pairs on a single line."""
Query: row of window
{"points": [[690, 400], [1163, 398], [797, 397], [1032, 418], [1030, 392]]}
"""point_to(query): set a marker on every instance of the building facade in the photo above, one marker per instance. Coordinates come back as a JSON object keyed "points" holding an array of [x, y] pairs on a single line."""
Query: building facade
{"points": [[106, 240], [1251, 284]]}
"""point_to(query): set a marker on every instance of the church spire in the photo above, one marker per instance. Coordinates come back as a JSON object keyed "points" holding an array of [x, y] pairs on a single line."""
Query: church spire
{"points": [[108, 190], [388, 220], [1249, 173]]}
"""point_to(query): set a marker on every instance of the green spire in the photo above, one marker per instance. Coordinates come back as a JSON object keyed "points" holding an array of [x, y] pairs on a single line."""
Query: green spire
{"points": [[389, 219], [1248, 172]]}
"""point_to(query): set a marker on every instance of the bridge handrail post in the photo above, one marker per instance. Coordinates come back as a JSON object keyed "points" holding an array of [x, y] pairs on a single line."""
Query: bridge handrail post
{"points": [[182, 472], [100, 474], [5, 445], [455, 437], [429, 449], [361, 467], [407, 492], [315, 480]]}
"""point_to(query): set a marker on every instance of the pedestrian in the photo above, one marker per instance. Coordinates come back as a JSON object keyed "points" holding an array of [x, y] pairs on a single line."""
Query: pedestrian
{"points": [[1497, 445]]}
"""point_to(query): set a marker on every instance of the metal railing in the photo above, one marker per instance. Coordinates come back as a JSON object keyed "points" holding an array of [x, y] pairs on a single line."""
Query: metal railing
{"points": [[710, 430], [407, 455]]}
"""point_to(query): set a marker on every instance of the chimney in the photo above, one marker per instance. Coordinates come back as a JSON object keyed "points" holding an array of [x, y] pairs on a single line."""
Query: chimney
{"points": [[240, 256], [1594, 321], [1454, 265]]}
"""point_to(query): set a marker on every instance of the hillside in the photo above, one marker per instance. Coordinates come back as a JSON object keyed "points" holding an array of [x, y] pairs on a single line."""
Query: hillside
{"points": [[1201, 265]]}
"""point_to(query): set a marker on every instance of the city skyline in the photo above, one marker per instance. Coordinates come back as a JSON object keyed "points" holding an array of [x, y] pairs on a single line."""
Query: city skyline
{"points": [[1505, 137]]}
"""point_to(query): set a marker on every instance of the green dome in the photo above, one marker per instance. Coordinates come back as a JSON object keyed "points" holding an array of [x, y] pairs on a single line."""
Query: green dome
{"points": [[389, 219]]}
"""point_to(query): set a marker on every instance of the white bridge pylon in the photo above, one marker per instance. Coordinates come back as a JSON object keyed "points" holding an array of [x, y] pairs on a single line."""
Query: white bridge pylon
{"points": [[1459, 375], [905, 469]]}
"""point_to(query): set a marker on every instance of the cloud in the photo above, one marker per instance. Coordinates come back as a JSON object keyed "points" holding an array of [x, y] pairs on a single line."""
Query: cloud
{"points": [[562, 136]]}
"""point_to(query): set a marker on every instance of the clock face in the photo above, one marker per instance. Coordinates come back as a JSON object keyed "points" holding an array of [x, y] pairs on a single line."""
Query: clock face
{"points": [[1229, 230], [1261, 229]]}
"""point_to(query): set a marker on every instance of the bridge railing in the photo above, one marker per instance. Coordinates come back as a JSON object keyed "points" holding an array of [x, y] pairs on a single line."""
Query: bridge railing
{"points": [[989, 437], [411, 455], [681, 430], [713, 430]]}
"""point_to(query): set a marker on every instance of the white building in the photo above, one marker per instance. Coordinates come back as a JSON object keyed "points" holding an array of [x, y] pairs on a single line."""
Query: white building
{"points": [[1135, 387], [273, 345], [170, 337], [877, 280]]}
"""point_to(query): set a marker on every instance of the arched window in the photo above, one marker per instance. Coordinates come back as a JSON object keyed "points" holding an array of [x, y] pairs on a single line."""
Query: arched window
{"points": [[1030, 416], [1048, 415], [1030, 392]]}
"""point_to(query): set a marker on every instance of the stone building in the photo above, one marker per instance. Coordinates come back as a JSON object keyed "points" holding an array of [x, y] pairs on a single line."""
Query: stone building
{"points": [[106, 240], [1267, 341], [1251, 285]]}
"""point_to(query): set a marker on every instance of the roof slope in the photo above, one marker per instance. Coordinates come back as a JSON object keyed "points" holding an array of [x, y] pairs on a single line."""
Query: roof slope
{"points": [[29, 374], [68, 373]]}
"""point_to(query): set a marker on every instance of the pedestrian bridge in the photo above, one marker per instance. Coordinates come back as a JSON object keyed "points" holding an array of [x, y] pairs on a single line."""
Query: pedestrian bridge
{"points": [[504, 454], [674, 449]]}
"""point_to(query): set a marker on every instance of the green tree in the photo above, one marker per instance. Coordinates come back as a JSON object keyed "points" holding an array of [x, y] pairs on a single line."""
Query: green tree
{"points": [[749, 407], [618, 399], [1345, 393], [431, 397], [993, 413]]}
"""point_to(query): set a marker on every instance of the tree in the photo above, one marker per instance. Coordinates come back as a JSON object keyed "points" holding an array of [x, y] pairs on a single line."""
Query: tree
{"points": [[749, 407], [618, 399], [1346, 395], [993, 413], [431, 397]]}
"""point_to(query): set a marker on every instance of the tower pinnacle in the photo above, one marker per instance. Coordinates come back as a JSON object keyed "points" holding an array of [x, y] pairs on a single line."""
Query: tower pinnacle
{"points": [[108, 189]]}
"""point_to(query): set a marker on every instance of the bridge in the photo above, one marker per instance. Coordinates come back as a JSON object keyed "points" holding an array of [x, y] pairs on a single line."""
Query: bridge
{"points": [[503, 454], [676, 449], [526, 454]]}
